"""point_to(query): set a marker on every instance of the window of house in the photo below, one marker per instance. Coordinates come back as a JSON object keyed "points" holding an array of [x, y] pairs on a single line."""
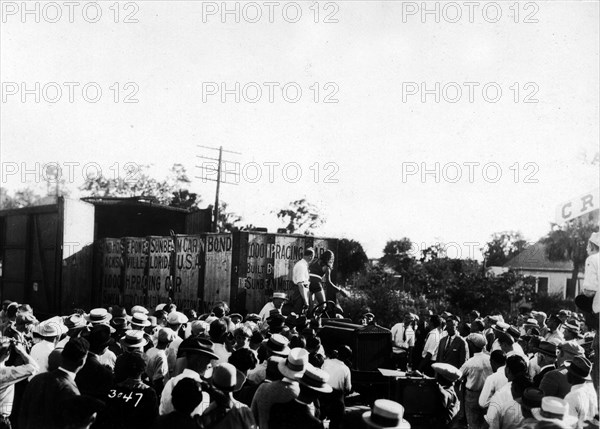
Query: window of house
{"points": [[542, 285]]}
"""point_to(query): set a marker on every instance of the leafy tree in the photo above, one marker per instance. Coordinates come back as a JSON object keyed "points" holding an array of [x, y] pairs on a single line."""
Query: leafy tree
{"points": [[227, 220], [301, 217], [170, 191], [397, 255], [26, 197], [502, 247], [351, 259], [568, 242]]}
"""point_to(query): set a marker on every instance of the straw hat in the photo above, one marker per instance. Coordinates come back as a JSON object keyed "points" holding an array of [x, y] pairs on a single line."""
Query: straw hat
{"points": [[316, 379], [134, 339], [554, 409], [98, 315], [140, 319], [295, 364], [386, 414], [227, 378]]}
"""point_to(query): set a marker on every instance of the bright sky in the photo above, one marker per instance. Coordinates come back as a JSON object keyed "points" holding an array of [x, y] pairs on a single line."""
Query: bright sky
{"points": [[375, 140]]}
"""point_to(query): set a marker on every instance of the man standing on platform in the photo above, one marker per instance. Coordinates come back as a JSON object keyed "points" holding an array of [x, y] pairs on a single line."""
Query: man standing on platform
{"points": [[301, 278]]}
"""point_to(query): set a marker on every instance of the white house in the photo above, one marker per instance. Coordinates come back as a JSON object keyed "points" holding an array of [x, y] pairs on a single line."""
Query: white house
{"points": [[552, 277]]}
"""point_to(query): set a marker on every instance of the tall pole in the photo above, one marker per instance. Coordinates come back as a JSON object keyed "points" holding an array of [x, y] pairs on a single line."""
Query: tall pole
{"points": [[216, 212]]}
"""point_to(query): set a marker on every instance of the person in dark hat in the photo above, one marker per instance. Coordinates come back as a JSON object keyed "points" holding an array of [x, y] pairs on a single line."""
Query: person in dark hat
{"points": [[131, 403], [197, 354], [245, 360], [94, 379], [555, 382], [546, 360], [532, 398], [276, 345], [296, 414], [582, 399], [44, 391]]}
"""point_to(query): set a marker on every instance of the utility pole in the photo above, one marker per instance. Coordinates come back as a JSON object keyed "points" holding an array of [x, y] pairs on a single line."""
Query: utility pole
{"points": [[210, 168]]}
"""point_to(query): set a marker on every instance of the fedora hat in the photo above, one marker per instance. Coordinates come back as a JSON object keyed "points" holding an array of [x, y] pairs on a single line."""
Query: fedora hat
{"points": [[532, 397], [571, 348], [117, 311], [195, 345], [99, 336], [386, 414], [140, 319], [449, 372], [51, 328], [98, 315], [295, 364], [316, 379], [274, 313], [553, 409], [227, 378], [134, 339], [277, 344], [531, 322], [546, 348], [75, 321], [580, 367]]}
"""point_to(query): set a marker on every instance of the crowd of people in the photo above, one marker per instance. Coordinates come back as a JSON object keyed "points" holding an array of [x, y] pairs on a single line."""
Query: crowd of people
{"points": [[161, 368], [500, 375]]}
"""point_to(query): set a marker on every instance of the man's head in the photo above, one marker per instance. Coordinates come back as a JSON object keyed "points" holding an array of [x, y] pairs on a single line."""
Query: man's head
{"points": [[187, 395], [515, 366], [198, 353], [217, 331], [593, 245], [435, 321], [99, 339], [553, 323], [546, 354], [309, 254], [278, 299], [497, 359], [451, 327], [74, 354], [567, 351], [132, 364], [579, 370]]}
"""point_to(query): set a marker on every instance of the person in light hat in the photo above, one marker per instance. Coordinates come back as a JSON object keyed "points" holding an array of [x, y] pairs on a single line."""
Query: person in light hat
{"points": [[386, 414], [50, 331], [175, 320], [554, 409], [297, 413], [95, 378], [447, 375], [582, 399], [589, 301], [284, 390], [276, 303], [133, 340], [226, 412], [139, 309], [98, 315], [76, 325], [571, 331]]}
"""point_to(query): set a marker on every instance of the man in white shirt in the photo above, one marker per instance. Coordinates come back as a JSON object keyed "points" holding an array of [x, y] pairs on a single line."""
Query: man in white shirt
{"points": [[495, 381], [591, 280], [582, 399], [403, 341], [50, 331], [301, 278], [340, 381], [276, 303], [432, 342], [10, 375], [516, 366], [474, 372]]}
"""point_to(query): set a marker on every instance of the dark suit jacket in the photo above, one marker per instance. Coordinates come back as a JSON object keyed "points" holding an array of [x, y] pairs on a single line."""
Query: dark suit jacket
{"points": [[293, 415], [456, 353], [537, 379], [94, 379], [555, 383], [40, 404]]}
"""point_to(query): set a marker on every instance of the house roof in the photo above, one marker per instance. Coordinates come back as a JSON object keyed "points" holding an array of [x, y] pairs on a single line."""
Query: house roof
{"points": [[534, 258]]}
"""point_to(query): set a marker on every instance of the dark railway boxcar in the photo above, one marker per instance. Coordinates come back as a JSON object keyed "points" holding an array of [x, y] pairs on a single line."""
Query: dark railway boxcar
{"points": [[47, 252]]}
